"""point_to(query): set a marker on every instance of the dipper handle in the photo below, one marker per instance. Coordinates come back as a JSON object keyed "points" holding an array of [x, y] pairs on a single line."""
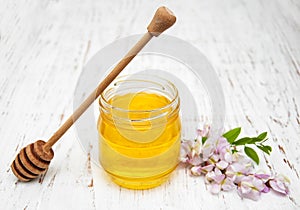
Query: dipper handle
{"points": [[162, 20], [34, 159]]}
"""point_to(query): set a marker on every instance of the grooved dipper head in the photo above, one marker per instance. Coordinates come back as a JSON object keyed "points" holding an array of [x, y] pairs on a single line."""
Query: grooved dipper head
{"points": [[32, 161]]}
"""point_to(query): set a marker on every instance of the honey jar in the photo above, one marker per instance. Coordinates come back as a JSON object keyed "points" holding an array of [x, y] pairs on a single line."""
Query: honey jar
{"points": [[139, 130]]}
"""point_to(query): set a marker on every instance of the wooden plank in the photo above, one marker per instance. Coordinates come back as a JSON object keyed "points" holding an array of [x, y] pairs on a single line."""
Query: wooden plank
{"points": [[254, 47]]}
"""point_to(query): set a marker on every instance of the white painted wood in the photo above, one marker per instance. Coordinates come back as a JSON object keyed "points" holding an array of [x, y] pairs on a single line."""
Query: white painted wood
{"points": [[254, 47]]}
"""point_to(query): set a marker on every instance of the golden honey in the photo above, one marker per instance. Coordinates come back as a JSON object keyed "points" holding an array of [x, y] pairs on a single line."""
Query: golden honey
{"points": [[139, 131]]}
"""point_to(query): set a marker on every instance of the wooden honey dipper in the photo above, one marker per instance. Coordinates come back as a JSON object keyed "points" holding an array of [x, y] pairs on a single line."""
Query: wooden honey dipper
{"points": [[34, 159]]}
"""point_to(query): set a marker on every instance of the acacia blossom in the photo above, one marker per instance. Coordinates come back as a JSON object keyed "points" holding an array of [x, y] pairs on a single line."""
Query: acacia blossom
{"points": [[226, 169], [251, 187]]}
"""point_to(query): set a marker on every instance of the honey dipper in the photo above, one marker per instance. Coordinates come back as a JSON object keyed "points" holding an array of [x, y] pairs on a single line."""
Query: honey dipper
{"points": [[34, 159]]}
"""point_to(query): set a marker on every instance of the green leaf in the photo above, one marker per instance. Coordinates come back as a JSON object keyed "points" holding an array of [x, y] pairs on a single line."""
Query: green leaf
{"points": [[265, 148], [254, 140], [268, 147], [242, 141], [204, 139], [232, 134], [262, 136], [252, 154]]}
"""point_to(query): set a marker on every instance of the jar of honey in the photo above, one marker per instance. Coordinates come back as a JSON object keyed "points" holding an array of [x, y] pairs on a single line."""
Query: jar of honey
{"points": [[139, 130]]}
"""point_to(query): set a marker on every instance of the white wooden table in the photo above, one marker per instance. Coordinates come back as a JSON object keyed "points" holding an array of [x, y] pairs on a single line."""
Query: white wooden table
{"points": [[254, 47]]}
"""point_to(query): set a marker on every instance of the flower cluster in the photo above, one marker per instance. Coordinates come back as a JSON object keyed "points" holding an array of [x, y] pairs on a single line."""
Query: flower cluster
{"points": [[225, 168]]}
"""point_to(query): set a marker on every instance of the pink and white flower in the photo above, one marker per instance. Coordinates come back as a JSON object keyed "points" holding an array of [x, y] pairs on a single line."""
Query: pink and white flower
{"points": [[218, 181], [203, 132], [190, 152], [280, 184], [225, 170], [198, 170], [251, 187]]}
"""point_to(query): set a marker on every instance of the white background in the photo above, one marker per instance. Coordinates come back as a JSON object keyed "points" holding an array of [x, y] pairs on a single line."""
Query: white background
{"points": [[254, 47]]}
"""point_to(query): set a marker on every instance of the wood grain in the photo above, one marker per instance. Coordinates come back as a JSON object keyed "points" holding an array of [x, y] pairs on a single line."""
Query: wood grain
{"points": [[254, 47]]}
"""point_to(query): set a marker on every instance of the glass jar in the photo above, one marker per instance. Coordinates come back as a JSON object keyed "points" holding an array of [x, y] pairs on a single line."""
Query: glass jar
{"points": [[139, 131]]}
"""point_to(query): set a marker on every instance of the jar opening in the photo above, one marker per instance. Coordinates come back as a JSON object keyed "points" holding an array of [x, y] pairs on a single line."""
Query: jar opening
{"points": [[139, 97]]}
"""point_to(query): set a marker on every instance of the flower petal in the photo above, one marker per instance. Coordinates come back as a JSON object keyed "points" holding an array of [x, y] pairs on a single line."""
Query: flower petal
{"points": [[228, 184], [207, 168], [258, 183], [195, 160], [266, 190], [278, 186], [215, 188], [228, 157], [222, 164], [262, 176], [196, 170], [252, 194]]}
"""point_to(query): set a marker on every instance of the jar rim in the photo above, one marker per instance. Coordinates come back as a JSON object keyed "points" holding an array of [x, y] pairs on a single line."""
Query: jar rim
{"points": [[122, 78]]}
